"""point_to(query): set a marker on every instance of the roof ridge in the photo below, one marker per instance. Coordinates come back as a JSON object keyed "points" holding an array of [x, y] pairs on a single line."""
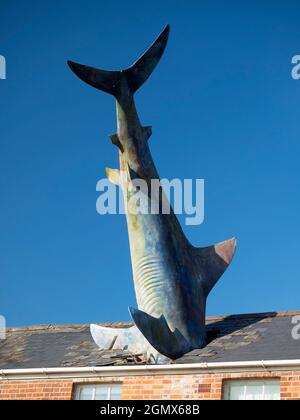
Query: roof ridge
{"points": [[53, 327], [253, 315]]}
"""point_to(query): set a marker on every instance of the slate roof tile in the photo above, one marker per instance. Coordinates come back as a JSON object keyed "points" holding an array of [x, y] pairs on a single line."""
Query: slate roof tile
{"points": [[249, 337]]}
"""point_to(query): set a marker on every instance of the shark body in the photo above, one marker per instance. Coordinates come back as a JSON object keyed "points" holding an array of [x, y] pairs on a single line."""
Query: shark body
{"points": [[172, 278]]}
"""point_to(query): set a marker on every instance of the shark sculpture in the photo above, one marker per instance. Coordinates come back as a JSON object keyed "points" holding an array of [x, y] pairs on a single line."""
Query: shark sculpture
{"points": [[172, 278]]}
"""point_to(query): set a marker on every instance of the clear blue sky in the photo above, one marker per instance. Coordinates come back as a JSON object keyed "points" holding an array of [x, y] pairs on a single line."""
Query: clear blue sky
{"points": [[223, 107]]}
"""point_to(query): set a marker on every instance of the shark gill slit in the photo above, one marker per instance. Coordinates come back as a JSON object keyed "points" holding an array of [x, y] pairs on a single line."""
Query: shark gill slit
{"points": [[149, 284]]}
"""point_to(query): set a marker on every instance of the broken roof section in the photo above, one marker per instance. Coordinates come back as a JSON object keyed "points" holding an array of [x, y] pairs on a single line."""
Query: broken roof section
{"points": [[252, 337]]}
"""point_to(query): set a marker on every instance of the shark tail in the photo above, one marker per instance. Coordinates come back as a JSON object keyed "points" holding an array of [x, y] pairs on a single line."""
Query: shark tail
{"points": [[171, 344], [136, 75]]}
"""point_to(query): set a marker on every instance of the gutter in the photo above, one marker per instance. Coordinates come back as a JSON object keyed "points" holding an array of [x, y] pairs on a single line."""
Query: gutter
{"points": [[147, 370]]}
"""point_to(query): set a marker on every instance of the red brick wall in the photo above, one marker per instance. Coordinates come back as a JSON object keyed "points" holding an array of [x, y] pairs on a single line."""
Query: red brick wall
{"points": [[36, 390], [201, 386], [290, 386]]}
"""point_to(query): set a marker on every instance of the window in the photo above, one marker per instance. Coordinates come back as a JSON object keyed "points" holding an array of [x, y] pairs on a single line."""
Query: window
{"points": [[98, 392], [252, 390]]}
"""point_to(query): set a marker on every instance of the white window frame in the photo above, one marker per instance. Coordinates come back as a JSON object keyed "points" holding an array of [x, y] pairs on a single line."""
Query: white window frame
{"points": [[245, 382], [109, 386]]}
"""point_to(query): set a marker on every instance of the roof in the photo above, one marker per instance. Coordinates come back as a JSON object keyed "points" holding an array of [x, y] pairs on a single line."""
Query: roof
{"points": [[249, 337]]}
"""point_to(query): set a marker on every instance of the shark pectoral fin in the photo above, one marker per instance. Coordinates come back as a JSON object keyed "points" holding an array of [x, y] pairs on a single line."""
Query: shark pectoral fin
{"points": [[212, 262], [113, 175], [130, 339], [148, 132], [159, 335], [132, 174], [116, 141]]}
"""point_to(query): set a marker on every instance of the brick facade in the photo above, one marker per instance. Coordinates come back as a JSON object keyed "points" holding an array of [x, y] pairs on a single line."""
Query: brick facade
{"points": [[168, 387]]}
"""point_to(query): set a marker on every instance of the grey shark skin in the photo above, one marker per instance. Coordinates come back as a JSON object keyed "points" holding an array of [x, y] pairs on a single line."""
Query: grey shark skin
{"points": [[172, 278]]}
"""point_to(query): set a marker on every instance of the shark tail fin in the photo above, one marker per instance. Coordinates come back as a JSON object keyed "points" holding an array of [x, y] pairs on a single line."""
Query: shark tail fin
{"points": [[171, 344], [212, 261], [136, 75], [104, 80]]}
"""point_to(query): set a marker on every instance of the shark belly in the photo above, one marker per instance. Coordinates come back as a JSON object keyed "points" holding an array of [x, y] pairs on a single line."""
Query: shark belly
{"points": [[154, 275], [162, 276]]}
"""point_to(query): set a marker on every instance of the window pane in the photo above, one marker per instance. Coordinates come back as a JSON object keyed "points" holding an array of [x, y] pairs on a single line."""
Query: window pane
{"points": [[85, 393], [99, 392], [272, 392], [116, 392], [253, 390], [237, 391]]}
